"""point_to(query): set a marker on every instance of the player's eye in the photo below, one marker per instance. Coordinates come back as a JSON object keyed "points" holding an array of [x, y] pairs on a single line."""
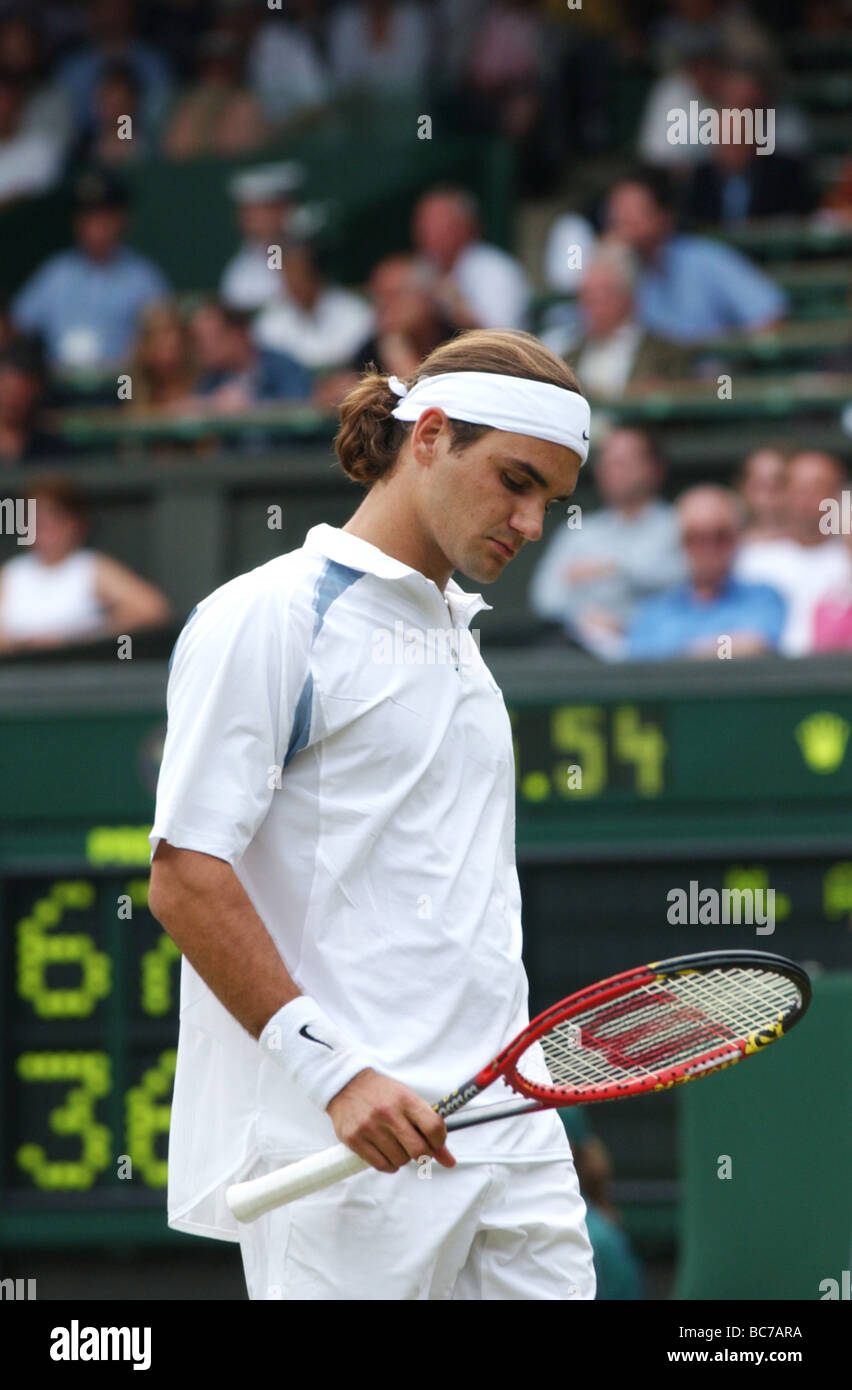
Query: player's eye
{"points": [[512, 483], [523, 486]]}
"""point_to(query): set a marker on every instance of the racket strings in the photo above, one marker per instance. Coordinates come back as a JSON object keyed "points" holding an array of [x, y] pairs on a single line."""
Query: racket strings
{"points": [[663, 1024]]}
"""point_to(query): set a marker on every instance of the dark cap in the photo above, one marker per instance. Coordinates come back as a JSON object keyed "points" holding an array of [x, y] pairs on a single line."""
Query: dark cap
{"points": [[96, 188]]}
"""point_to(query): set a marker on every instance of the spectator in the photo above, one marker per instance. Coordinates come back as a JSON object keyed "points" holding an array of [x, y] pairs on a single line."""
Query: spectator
{"points": [[59, 592], [234, 374], [408, 322], [263, 198], [86, 302], [592, 579], [737, 182], [46, 110], [728, 25], [809, 563], [113, 39], [287, 65], [162, 370], [318, 324], [218, 115], [408, 326], [570, 246], [762, 486], [505, 85], [689, 287], [697, 59], [477, 285], [712, 605], [615, 350], [379, 46], [114, 139], [506, 60], [832, 630], [30, 158], [697, 64], [22, 387]]}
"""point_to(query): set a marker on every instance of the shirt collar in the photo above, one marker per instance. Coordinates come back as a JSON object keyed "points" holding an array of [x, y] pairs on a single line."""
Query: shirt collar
{"points": [[346, 549]]}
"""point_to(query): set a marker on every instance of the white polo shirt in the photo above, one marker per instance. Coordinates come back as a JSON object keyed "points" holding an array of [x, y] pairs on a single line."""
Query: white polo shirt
{"points": [[335, 736]]}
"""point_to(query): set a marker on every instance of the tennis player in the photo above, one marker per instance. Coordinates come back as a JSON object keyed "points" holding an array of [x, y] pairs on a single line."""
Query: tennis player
{"points": [[333, 852]]}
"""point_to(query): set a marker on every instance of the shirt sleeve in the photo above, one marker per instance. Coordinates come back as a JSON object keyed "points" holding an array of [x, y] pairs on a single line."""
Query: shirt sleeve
{"points": [[768, 614], [751, 298], [153, 283], [239, 675], [549, 596], [28, 308], [649, 637], [659, 563]]}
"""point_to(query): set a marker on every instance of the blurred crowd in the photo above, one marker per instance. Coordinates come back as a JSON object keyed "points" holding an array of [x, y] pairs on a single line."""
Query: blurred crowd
{"points": [[88, 88], [722, 572], [227, 77], [643, 282]]}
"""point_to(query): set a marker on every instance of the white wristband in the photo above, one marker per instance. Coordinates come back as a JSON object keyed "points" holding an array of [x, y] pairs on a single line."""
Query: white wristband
{"points": [[316, 1055]]}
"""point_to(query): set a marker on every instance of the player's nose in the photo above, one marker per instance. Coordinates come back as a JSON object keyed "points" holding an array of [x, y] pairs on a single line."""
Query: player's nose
{"points": [[527, 521]]}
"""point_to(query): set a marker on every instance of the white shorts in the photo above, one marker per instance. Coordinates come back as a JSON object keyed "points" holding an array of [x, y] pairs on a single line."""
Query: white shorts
{"points": [[476, 1231]]}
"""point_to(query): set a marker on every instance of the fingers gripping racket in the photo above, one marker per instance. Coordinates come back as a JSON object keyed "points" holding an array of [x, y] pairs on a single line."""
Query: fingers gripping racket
{"points": [[644, 1030]]}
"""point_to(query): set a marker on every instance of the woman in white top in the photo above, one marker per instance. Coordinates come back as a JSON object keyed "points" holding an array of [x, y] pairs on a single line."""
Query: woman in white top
{"points": [[55, 591]]}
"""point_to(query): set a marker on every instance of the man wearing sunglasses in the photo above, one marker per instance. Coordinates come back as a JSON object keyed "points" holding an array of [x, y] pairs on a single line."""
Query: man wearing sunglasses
{"points": [[713, 614]]}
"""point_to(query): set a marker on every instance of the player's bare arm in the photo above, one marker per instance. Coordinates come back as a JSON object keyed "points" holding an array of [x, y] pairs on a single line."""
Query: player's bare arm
{"points": [[201, 903]]}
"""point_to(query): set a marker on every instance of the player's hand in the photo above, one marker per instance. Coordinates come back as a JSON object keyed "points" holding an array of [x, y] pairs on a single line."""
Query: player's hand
{"points": [[387, 1124]]}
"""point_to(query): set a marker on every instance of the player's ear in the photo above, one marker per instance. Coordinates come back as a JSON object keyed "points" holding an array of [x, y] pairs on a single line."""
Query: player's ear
{"points": [[427, 432]]}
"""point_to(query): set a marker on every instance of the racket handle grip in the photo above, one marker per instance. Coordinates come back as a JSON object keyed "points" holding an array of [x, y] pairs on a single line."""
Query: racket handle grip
{"points": [[249, 1200]]}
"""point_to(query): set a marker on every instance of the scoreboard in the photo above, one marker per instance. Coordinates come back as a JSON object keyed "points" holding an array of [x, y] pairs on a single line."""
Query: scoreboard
{"points": [[629, 783], [89, 1024]]}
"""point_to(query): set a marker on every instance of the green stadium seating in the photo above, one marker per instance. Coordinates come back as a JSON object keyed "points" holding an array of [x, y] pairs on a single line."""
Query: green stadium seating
{"points": [[782, 1224], [790, 239]]}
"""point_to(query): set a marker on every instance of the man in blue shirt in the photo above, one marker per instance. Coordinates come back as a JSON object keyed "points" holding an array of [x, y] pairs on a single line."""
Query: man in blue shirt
{"points": [[712, 614], [234, 373], [690, 287], [85, 302]]}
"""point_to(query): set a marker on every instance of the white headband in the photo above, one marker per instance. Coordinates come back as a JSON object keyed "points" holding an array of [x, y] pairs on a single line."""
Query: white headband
{"points": [[508, 403]]}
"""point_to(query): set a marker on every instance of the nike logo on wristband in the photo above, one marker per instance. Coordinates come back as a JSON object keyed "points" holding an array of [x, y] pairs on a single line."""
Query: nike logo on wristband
{"points": [[303, 1033]]}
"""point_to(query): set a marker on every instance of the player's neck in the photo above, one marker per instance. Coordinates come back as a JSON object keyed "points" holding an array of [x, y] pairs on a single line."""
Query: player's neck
{"points": [[398, 533]]}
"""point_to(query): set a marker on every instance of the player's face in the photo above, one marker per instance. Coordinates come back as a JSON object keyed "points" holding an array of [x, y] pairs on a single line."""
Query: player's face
{"points": [[483, 502]]}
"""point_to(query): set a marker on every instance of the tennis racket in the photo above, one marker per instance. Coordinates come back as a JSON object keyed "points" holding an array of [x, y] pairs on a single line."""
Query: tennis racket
{"points": [[644, 1030]]}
